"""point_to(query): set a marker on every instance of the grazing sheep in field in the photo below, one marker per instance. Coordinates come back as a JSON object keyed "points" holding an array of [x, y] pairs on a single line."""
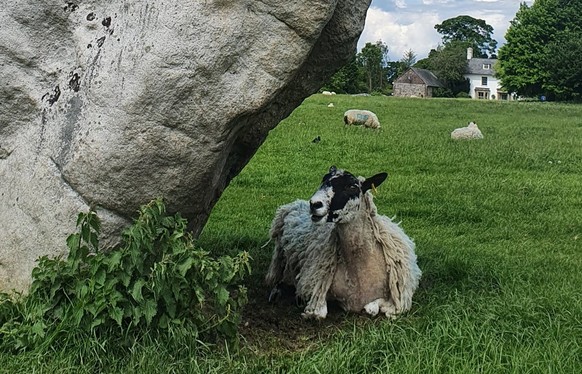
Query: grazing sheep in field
{"points": [[362, 118], [337, 247], [466, 133]]}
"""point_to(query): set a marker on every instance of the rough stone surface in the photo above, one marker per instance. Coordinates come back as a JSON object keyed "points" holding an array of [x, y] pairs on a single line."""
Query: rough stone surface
{"points": [[111, 103]]}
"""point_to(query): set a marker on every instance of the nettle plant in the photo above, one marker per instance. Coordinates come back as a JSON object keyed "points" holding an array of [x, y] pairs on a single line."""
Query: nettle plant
{"points": [[155, 280]]}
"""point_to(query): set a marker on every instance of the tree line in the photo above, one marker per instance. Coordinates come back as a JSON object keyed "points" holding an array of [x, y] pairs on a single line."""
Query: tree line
{"points": [[542, 55], [369, 71]]}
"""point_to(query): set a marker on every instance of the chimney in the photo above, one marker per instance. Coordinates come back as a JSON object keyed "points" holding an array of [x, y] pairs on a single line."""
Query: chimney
{"points": [[469, 53]]}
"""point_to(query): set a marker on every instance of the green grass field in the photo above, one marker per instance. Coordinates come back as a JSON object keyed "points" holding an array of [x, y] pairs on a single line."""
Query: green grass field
{"points": [[497, 224]]}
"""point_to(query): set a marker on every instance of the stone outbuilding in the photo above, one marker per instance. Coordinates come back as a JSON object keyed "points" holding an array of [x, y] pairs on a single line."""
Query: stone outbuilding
{"points": [[416, 83]]}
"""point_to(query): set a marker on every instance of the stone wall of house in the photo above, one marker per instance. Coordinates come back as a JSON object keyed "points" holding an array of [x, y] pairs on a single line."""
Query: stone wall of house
{"points": [[408, 90]]}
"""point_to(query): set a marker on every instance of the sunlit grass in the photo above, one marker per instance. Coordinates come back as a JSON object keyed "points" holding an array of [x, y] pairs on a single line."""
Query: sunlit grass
{"points": [[497, 222]]}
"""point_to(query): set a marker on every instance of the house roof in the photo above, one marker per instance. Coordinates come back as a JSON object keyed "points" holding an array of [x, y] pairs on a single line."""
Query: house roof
{"points": [[428, 77], [475, 66]]}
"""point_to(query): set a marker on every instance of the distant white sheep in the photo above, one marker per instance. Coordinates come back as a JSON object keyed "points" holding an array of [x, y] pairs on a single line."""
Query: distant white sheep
{"points": [[337, 247], [328, 93], [467, 133], [330, 105], [361, 118]]}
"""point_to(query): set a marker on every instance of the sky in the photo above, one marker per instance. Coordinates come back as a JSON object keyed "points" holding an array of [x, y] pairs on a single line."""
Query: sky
{"points": [[409, 24]]}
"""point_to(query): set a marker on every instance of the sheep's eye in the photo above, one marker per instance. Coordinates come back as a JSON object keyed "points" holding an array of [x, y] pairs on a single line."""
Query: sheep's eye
{"points": [[353, 188]]}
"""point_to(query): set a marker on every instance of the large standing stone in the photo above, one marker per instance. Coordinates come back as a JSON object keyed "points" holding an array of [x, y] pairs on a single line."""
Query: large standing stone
{"points": [[111, 103]]}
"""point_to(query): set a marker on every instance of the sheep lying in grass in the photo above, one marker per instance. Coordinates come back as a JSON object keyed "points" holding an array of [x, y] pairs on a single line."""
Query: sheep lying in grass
{"points": [[361, 118], [466, 133], [336, 247]]}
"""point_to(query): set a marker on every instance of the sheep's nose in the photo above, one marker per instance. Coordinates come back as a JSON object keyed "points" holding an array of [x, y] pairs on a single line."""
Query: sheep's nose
{"points": [[317, 210], [313, 206]]}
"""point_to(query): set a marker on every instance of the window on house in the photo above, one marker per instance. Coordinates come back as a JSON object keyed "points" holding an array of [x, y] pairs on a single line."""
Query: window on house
{"points": [[483, 81], [486, 66]]}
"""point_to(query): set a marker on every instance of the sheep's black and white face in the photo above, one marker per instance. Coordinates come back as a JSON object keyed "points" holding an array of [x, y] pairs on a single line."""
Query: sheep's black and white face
{"points": [[340, 194]]}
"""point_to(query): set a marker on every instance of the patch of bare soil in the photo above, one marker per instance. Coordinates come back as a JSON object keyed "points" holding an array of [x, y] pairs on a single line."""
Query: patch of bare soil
{"points": [[278, 326]]}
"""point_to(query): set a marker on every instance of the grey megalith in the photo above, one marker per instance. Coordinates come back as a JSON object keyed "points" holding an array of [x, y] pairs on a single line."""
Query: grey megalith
{"points": [[111, 103]]}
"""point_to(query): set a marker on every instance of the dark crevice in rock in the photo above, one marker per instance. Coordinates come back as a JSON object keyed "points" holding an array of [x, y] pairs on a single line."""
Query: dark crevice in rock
{"points": [[75, 82], [43, 122], [52, 97], [70, 7], [106, 22], [4, 153]]}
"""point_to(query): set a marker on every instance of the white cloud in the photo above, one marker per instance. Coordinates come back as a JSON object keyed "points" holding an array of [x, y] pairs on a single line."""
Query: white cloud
{"points": [[401, 31], [401, 4], [432, 2], [498, 20], [409, 24]]}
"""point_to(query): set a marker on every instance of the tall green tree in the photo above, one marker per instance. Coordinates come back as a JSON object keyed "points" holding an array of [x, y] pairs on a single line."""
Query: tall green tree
{"points": [[373, 58], [449, 63], [473, 32], [349, 79], [394, 69], [542, 53], [449, 60], [368, 71], [409, 59], [564, 75]]}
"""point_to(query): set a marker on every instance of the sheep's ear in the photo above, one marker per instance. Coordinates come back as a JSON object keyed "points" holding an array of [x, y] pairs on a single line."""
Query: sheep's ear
{"points": [[332, 169], [374, 181]]}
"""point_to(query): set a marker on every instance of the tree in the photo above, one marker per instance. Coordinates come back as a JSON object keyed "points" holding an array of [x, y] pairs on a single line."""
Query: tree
{"points": [[370, 70], [473, 32], [449, 63], [373, 59], [542, 53], [348, 79], [449, 60], [409, 59], [564, 75], [394, 69]]}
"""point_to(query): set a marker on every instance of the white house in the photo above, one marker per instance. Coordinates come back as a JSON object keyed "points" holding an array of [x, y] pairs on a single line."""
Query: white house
{"points": [[482, 80]]}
